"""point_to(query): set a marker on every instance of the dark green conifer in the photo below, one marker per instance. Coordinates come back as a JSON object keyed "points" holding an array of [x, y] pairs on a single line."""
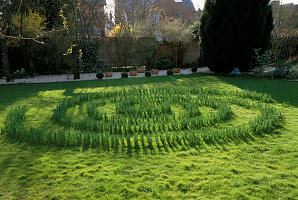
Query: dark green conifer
{"points": [[231, 29]]}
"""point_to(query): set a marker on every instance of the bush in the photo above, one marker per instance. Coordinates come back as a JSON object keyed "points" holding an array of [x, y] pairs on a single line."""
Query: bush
{"points": [[163, 63], [100, 75], [148, 74], [228, 42], [189, 65], [1, 73], [194, 69], [89, 58], [170, 72], [262, 61], [20, 74], [283, 71], [124, 75]]}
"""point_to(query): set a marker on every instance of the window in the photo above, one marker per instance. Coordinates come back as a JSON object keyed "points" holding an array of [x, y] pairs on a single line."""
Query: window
{"points": [[178, 15]]}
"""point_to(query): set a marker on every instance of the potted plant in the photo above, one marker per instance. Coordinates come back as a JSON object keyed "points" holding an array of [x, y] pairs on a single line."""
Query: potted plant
{"points": [[133, 72], [108, 72], [141, 69], [176, 70], [155, 71], [162, 63]]}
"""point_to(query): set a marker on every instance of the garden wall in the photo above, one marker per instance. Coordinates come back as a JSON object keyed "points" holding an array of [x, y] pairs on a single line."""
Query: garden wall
{"points": [[117, 52], [129, 52]]}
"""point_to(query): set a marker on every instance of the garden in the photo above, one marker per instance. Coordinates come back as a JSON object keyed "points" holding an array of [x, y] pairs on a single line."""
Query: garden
{"points": [[186, 105], [128, 139]]}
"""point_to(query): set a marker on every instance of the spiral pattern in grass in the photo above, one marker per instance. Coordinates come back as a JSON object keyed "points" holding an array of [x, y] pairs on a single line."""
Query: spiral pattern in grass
{"points": [[135, 120]]}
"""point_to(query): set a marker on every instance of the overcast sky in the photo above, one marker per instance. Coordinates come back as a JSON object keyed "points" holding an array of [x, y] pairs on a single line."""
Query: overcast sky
{"points": [[200, 3]]}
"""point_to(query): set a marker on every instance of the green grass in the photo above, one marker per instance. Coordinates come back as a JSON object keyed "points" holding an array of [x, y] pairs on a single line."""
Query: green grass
{"points": [[261, 167]]}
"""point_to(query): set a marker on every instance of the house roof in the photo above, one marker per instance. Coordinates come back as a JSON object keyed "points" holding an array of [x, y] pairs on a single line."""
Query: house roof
{"points": [[187, 3], [129, 4], [99, 2]]}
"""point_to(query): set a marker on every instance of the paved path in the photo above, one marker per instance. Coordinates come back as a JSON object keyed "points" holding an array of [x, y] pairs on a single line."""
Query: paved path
{"points": [[85, 77]]}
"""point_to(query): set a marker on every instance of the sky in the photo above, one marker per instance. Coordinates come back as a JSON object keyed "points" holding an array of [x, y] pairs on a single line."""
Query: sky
{"points": [[200, 3]]}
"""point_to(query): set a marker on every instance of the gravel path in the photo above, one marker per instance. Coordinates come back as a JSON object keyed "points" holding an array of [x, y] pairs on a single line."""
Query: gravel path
{"points": [[85, 77]]}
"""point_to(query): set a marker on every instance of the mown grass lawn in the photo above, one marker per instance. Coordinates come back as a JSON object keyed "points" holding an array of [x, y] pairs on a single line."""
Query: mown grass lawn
{"points": [[261, 168]]}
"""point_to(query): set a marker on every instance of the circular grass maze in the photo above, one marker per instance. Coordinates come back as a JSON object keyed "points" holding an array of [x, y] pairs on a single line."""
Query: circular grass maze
{"points": [[150, 119]]}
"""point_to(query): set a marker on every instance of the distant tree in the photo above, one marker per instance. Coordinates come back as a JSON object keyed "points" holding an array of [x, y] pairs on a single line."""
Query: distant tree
{"points": [[230, 30], [285, 20], [176, 32], [17, 23], [79, 19], [195, 27], [285, 32], [130, 11]]}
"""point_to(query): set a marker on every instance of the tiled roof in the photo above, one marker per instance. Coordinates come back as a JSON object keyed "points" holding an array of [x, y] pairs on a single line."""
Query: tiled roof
{"points": [[187, 3], [129, 4]]}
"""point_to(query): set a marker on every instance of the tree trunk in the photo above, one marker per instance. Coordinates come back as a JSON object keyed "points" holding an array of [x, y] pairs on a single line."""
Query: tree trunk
{"points": [[75, 62], [5, 61]]}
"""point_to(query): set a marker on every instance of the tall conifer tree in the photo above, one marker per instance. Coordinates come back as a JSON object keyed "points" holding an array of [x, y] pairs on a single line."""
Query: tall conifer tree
{"points": [[231, 29]]}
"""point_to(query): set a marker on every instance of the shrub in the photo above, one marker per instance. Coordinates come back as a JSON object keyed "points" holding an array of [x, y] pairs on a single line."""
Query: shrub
{"points": [[170, 72], [261, 62], [122, 69], [283, 71], [89, 57], [124, 75], [194, 69], [163, 63], [21, 73], [228, 42], [189, 65], [99, 75], [148, 74]]}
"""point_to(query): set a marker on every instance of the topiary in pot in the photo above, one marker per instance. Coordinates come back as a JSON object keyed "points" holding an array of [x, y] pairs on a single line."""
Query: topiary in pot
{"points": [[99, 75], [155, 71], [108, 74], [194, 69], [176, 70], [170, 72], [148, 74], [124, 75], [141, 69], [133, 73]]}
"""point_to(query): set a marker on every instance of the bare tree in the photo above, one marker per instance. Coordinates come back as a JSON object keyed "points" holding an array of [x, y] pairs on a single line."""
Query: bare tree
{"points": [[130, 11], [18, 23], [80, 20], [5, 30], [285, 32], [176, 33]]}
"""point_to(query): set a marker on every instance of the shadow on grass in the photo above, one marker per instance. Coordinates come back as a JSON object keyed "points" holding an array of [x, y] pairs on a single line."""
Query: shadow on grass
{"points": [[12, 93], [281, 90]]}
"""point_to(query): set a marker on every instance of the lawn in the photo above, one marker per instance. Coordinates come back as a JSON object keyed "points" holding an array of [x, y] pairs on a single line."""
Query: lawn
{"points": [[263, 166]]}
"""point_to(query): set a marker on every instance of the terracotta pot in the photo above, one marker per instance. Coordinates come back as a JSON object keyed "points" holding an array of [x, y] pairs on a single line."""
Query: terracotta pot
{"points": [[155, 71], [176, 70], [133, 73], [108, 74], [141, 69]]}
